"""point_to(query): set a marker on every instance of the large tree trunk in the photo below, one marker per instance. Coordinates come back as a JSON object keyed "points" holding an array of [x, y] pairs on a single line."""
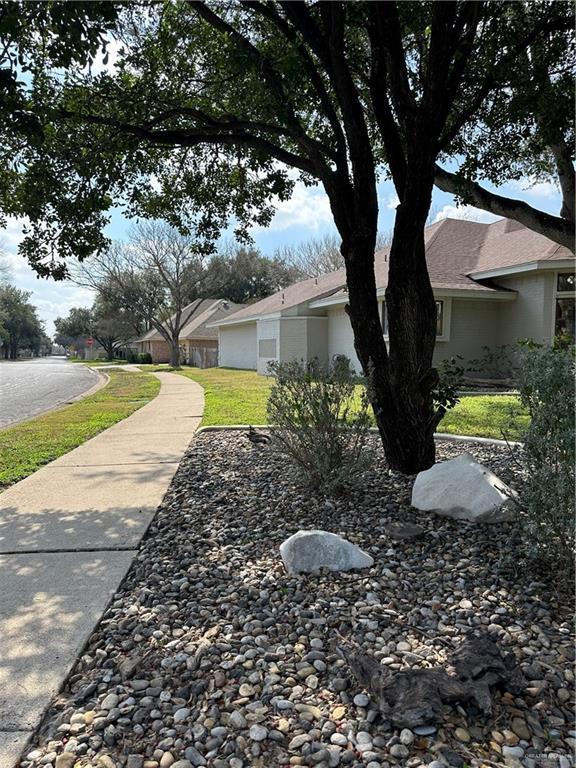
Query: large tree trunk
{"points": [[411, 311], [109, 349], [401, 378], [400, 382]]}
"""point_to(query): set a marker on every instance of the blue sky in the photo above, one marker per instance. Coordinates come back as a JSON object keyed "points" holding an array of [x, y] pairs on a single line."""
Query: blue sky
{"points": [[304, 216]]}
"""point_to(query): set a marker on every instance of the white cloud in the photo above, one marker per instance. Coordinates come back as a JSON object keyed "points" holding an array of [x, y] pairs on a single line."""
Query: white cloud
{"points": [[537, 188], [468, 212], [392, 202], [308, 209]]}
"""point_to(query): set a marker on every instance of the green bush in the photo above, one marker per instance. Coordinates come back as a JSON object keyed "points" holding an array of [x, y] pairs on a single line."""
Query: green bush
{"points": [[131, 356], [450, 382], [144, 358], [321, 421], [500, 362], [546, 383]]}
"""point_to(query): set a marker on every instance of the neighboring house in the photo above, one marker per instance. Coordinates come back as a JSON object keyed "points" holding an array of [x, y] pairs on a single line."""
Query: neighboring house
{"points": [[494, 284], [198, 342]]}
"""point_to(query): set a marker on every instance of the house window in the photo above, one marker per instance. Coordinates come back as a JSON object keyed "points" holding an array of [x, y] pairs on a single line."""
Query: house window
{"points": [[565, 300], [439, 318]]}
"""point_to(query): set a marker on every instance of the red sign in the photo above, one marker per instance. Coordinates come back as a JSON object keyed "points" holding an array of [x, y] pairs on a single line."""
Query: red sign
{"points": [[89, 342]]}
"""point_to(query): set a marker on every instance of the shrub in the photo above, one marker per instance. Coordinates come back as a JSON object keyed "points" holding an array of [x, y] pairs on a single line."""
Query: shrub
{"points": [[144, 358], [131, 356], [500, 362], [450, 381], [321, 421], [546, 383]]}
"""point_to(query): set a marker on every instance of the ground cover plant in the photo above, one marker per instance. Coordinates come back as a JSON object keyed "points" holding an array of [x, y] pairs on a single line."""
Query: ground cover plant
{"points": [[25, 447]]}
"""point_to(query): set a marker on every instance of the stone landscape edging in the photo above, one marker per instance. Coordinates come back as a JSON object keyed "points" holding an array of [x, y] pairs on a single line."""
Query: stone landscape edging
{"points": [[438, 435]]}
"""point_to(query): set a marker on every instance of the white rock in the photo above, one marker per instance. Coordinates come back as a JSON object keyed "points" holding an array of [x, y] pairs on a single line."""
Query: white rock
{"points": [[464, 490], [308, 551], [406, 737]]}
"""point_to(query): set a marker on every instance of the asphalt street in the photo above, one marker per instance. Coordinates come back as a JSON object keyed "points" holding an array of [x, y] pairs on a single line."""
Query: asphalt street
{"points": [[30, 387]]}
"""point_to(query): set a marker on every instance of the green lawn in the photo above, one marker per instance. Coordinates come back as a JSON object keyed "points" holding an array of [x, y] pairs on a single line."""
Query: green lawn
{"points": [[26, 447], [231, 396], [500, 416], [239, 397]]}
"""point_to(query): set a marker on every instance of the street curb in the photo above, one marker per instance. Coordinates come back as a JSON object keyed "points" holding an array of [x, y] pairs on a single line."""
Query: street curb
{"points": [[437, 435], [103, 380]]}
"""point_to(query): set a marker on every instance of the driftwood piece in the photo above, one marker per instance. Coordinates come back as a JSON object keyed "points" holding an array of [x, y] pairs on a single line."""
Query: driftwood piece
{"points": [[414, 697]]}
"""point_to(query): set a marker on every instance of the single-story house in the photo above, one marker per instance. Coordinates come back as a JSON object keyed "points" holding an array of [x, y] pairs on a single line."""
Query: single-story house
{"points": [[494, 284], [198, 341]]}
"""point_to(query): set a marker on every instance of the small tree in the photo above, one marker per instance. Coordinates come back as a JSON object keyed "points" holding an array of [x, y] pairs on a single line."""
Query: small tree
{"points": [[112, 326], [320, 420], [546, 380], [153, 277], [74, 329]]}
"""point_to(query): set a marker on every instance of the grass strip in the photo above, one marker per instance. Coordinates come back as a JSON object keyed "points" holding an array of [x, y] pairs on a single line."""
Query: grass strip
{"points": [[25, 447], [239, 397]]}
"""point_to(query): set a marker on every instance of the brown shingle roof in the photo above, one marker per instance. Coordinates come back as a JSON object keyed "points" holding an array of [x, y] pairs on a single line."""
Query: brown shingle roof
{"points": [[456, 250], [306, 290], [200, 312]]}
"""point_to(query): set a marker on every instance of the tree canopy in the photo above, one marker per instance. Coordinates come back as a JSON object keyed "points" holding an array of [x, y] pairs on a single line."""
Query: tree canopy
{"points": [[110, 326], [20, 327], [209, 104], [243, 275], [196, 110]]}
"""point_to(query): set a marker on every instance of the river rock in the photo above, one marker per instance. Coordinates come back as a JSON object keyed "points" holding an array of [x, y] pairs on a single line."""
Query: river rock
{"points": [[308, 551], [463, 489]]}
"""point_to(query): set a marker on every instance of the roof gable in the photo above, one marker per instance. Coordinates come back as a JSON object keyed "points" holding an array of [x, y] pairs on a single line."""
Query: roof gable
{"points": [[197, 315]]}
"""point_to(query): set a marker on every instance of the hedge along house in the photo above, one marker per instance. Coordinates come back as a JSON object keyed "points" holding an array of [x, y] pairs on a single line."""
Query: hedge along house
{"points": [[198, 341], [494, 284]]}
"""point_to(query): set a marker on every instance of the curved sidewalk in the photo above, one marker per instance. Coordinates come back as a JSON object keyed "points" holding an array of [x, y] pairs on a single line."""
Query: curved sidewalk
{"points": [[68, 534]]}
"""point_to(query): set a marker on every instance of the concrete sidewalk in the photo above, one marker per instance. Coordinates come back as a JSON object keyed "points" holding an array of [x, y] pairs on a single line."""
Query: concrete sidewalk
{"points": [[68, 534]]}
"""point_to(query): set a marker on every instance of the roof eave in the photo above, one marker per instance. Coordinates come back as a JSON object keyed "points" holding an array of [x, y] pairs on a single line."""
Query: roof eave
{"points": [[471, 293], [527, 266]]}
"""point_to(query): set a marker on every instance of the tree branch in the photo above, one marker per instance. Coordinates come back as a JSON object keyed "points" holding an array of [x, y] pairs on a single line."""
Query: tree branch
{"points": [[274, 82], [378, 84], [563, 159], [291, 34], [194, 137], [559, 230]]}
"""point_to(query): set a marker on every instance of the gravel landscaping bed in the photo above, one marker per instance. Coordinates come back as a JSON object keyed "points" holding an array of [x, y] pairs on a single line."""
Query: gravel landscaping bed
{"points": [[211, 655]]}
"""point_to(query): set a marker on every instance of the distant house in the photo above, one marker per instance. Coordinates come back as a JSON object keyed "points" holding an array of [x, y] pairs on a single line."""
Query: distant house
{"points": [[198, 342], [494, 284]]}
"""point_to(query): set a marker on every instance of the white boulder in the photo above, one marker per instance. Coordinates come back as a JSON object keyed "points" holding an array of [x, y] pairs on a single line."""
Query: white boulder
{"points": [[464, 490], [308, 551]]}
